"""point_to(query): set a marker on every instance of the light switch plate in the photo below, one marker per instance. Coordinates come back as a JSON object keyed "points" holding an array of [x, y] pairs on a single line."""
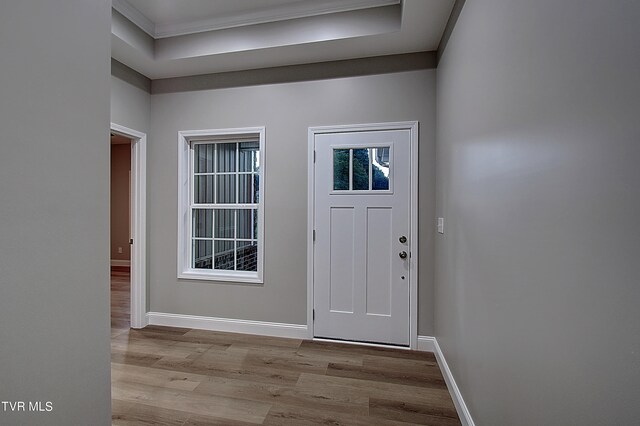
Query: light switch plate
{"points": [[441, 225]]}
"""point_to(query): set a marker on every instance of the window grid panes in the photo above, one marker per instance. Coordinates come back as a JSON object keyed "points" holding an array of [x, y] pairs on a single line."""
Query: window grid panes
{"points": [[361, 169], [224, 208]]}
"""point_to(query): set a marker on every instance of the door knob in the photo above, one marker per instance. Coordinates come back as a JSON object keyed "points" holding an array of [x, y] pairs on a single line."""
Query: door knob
{"points": [[402, 239], [403, 255]]}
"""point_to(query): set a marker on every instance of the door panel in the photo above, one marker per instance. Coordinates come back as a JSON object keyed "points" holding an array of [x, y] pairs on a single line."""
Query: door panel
{"points": [[378, 278], [361, 195], [342, 260]]}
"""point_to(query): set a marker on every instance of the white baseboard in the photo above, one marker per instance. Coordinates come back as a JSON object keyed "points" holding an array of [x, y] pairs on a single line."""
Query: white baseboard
{"points": [[430, 344], [456, 395], [117, 262], [293, 331], [426, 344], [143, 324]]}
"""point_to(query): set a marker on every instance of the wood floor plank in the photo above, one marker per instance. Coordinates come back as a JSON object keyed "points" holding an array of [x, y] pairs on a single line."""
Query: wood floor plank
{"points": [[166, 330], [392, 363], [319, 354], [213, 421], [287, 415], [190, 402], [213, 340], [413, 394], [125, 413], [132, 358], [336, 347], [250, 341], [175, 349], [289, 362], [426, 377], [116, 332], [320, 398], [169, 339], [412, 413], [155, 377], [225, 366]]}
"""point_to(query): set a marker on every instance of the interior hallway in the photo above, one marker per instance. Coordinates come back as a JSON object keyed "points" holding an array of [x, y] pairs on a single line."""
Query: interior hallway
{"points": [[120, 300], [175, 376]]}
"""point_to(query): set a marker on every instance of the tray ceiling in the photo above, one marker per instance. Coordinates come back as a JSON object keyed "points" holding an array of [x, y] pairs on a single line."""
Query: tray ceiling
{"points": [[171, 38]]}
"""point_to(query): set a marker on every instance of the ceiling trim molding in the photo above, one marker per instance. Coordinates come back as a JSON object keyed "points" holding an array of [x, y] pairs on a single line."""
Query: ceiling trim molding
{"points": [[295, 11], [135, 16], [131, 76], [297, 73]]}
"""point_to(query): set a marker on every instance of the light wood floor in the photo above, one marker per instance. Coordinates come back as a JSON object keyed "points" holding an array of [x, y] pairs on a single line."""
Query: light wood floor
{"points": [[185, 377]]}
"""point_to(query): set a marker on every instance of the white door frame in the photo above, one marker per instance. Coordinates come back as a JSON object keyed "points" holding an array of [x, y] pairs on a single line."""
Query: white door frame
{"points": [[138, 223], [412, 126]]}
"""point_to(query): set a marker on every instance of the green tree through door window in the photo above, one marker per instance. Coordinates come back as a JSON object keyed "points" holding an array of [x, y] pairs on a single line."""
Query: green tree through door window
{"points": [[361, 169]]}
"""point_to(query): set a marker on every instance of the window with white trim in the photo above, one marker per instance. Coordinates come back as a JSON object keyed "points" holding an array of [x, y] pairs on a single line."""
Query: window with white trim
{"points": [[221, 204]]}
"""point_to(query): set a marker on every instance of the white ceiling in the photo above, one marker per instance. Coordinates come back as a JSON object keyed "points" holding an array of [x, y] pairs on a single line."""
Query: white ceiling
{"points": [[174, 38], [169, 18], [165, 12]]}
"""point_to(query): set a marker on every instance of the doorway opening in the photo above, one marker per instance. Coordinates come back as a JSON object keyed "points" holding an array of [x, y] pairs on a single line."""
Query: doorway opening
{"points": [[120, 232], [128, 226]]}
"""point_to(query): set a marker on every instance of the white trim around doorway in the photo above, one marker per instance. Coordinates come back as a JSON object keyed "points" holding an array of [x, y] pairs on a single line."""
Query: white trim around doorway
{"points": [[138, 223], [412, 126]]}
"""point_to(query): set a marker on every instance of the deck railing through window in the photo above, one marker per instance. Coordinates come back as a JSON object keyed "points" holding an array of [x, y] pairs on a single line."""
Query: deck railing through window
{"points": [[224, 205]]}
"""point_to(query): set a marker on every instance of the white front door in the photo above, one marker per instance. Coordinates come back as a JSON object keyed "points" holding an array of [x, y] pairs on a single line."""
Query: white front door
{"points": [[361, 223]]}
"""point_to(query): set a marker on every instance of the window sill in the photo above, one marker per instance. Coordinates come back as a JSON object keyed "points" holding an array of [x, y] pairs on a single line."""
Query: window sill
{"points": [[235, 277]]}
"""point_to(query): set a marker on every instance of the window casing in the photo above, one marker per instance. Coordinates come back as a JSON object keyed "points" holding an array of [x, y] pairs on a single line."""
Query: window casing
{"points": [[221, 175]]}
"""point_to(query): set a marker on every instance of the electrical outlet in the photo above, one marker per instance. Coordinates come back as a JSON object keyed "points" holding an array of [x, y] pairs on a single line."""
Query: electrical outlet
{"points": [[441, 225], [119, 249]]}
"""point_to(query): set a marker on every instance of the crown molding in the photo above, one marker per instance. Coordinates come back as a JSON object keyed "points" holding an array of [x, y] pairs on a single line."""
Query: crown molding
{"points": [[295, 11], [135, 16]]}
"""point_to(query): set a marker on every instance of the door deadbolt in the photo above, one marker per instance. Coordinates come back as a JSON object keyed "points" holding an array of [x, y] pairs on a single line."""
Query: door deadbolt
{"points": [[402, 239], [403, 255]]}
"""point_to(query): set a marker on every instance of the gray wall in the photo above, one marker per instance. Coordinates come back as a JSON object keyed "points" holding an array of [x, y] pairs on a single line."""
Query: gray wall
{"points": [[538, 279], [54, 226], [287, 110], [130, 104]]}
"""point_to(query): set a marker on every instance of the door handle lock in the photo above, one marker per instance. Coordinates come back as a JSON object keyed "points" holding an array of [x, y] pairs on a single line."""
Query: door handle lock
{"points": [[402, 239], [403, 255]]}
